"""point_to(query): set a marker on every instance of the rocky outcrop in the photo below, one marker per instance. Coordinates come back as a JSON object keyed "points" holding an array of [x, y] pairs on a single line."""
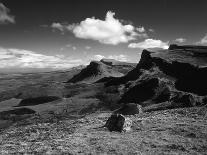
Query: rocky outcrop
{"points": [[145, 62], [118, 122], [94, 72], [166, 79], [102, 71]]}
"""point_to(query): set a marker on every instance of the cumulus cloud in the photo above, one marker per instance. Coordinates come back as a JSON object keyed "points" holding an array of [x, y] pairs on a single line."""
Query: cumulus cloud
{"points": [[140, 29], [149, 43], [4, 15], [120, 57], [180, 40], [203, 41], [18, 58], [108, 31], [58, 26]]}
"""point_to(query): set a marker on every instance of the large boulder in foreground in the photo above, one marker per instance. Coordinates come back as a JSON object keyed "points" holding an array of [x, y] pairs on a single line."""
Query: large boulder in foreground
{"points": [[118, 122]]}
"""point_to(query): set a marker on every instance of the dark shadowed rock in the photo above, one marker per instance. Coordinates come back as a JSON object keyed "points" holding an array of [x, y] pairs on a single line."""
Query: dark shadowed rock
{"points": [[183, 100], [145, 62], [141, 92], [118, 122]]}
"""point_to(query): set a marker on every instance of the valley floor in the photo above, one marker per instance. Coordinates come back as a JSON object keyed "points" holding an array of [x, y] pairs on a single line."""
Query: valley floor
{"points": [[177, 131]]}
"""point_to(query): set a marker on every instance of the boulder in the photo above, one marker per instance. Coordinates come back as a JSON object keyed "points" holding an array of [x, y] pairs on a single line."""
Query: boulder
{"points": [[118, 122]]}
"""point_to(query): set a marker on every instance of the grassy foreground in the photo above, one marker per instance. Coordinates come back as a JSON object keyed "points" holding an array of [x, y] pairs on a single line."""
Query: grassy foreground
{"points": [[178, 131]]}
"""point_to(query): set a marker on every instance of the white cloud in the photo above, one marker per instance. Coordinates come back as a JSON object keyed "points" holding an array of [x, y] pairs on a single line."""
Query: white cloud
{"points": [[120, 57], [98, 57], [108, 31], [203, 40], [149, 43], [58, 26], [18, 58], [4, 15], [180, 40], [140, 29]]}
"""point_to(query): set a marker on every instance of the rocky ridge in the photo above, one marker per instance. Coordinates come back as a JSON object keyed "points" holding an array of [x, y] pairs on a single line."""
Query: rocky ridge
{"points": [[166, 79]]}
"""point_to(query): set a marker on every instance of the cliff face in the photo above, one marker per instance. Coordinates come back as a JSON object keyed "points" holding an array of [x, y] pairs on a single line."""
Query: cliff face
{"points": [[176, 76]]}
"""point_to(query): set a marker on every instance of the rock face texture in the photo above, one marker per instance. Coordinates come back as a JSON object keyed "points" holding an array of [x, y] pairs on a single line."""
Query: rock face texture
{"points": [[166, 79], [100, 71], [118, 122]]}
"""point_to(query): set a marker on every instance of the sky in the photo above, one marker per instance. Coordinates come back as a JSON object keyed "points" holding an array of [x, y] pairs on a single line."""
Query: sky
{"points": [[59, 34]]}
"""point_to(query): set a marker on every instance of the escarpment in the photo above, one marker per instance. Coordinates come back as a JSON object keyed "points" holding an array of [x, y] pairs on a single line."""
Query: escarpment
{"points": [[172, 78]]}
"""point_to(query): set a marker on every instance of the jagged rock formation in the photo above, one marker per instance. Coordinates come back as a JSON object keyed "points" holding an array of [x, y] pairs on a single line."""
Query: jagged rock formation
{"points": [[98, 70], [166, 79]]}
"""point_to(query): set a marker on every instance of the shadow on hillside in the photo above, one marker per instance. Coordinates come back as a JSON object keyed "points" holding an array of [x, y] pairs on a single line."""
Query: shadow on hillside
{"points": [[37, 100]]}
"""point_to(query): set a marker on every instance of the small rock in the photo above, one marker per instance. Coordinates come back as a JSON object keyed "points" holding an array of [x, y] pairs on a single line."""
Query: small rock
{"points": [[118, 122]]}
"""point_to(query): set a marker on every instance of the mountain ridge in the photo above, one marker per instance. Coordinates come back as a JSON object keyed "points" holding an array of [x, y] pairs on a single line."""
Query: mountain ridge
{"points": [[105, 68]]}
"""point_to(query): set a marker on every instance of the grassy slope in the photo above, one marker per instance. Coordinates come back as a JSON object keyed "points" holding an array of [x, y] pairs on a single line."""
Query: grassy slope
{"points": [[165, 132]]}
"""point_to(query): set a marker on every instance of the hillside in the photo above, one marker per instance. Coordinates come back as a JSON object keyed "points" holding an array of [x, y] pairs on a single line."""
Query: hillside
{"points": [[106, 68], [64, 112]]}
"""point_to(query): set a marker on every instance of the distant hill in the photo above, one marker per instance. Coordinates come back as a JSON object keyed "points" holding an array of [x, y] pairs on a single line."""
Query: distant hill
{"points": [[106, 68], [35, 70]]}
